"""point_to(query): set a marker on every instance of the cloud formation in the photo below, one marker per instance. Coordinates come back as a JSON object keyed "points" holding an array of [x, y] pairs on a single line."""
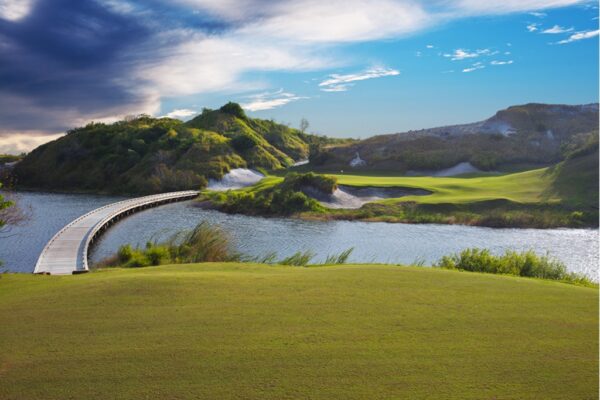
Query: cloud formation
{"points": [[580, 36], [181, 113], [268, 101], [461, 54], [496, 62], [475, 67], [341, 83], [556, 29]]}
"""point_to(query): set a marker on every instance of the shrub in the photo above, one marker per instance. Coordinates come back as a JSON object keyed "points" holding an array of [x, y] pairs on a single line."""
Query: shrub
{"points": [[234, 109], [125, 253], [527, 263]]}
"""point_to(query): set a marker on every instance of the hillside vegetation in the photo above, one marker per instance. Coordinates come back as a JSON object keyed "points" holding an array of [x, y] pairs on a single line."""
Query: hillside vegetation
{"points": [[274, 196], [519, 137], [231, 331], [149, 155]]}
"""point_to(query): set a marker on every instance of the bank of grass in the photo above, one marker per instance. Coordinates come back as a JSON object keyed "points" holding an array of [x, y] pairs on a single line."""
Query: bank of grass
{"points": [[232, 331]]}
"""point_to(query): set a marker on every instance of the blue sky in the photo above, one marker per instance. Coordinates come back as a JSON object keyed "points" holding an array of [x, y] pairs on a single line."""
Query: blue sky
{"points": [[352, 68]]}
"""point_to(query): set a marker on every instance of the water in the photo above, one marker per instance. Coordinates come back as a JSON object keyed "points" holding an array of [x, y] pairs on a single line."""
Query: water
{"points": [[373, 242]]}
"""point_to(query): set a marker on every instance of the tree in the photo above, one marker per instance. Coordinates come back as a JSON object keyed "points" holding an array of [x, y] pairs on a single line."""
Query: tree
{"points": [[304, 125], [10, 213]]}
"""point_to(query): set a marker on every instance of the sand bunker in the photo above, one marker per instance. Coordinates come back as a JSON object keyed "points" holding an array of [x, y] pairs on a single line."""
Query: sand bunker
{"points": [[355, 197], [235, 179], [458, 169]]}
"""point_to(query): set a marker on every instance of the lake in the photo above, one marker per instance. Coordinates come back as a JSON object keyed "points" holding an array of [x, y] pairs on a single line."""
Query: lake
{"points": [[377, 242]]}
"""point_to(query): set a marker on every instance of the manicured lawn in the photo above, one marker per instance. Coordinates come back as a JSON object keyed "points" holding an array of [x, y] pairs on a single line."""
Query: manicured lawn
{"points": [[243, 331], [522, 187]]}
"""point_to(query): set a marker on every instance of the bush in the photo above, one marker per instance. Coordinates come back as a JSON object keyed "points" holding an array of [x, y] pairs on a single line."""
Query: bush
{"points": [[125, 253], [322, 183], [234, 109], [527, 264]]}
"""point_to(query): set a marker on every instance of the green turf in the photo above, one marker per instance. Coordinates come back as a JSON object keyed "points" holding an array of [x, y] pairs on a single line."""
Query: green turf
{"points": [[241, 331], [522, 187]]}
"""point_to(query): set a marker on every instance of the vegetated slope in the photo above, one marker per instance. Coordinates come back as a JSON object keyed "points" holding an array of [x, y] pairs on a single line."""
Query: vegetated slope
{"points": [[531, 134], [148, 155], [575, 180], [230, 331], [565, 195]]}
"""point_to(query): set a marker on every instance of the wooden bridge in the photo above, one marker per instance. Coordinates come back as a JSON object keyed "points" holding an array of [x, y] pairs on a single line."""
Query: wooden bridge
{"points": [[67, 251]]}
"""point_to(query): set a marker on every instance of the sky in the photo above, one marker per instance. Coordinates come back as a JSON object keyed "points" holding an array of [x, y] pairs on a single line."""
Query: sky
{"points": [[352, 68]]}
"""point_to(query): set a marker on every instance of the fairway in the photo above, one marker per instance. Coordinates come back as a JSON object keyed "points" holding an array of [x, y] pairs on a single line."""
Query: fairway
{"points": [[245, 331], [522, 187]]}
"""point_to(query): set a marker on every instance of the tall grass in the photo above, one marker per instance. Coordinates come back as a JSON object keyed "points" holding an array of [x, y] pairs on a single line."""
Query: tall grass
{"points": [[204, 243], [527, 264]]}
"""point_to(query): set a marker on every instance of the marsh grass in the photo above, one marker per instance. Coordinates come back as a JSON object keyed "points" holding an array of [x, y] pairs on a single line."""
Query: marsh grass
{"points": [[526, 264], [204, 243]]}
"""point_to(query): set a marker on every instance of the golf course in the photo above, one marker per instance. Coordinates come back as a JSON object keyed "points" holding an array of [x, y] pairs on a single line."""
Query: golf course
{"points": [[564, 195], [235, 331]]}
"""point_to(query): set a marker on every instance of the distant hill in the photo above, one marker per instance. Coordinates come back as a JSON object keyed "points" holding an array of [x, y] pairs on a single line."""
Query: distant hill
{"points": [[149, 155], [526, 135]]}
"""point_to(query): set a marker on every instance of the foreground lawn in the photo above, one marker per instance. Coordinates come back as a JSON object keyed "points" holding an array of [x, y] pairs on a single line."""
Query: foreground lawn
{"points": [[242, 331]]}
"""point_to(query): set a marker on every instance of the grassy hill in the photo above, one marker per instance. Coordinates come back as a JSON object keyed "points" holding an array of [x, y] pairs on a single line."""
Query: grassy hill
{"points": [[520, 137], [149, 155], [233, 331]]}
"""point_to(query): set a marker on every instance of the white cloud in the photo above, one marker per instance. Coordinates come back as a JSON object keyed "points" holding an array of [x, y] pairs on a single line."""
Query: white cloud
{"points": [[337, 21], [429, 46], [267, 100], [338, 88], [461, 54], [181, 113], [339, 83], [14, 10], [533, 27], [475, 67], [496, 62], [557, 29], [538, 14], [23, 142], [482, 7], [580, 36]]}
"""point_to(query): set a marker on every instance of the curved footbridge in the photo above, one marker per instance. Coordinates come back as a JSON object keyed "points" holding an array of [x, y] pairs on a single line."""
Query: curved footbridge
{"points": [[67, 251]]}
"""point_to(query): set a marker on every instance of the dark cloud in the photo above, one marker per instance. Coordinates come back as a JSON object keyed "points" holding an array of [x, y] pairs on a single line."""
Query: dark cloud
{"points": [[66, 55]]}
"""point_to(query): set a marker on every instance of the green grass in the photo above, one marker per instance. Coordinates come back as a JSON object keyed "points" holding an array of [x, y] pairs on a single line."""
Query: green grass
{"points": [[245, 331], [522, 187]]}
